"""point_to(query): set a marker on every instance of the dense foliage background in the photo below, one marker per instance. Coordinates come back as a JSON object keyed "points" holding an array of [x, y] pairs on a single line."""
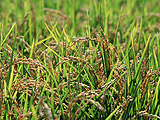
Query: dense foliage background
{"points": [[79, 59]]}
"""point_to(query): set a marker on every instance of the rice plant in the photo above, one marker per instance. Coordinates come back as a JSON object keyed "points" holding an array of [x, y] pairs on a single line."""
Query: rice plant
{"points": [[79, 59]]}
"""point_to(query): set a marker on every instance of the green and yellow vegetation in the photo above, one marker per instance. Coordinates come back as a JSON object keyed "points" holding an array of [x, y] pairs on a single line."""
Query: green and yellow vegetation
{"points": [[79, 59]]}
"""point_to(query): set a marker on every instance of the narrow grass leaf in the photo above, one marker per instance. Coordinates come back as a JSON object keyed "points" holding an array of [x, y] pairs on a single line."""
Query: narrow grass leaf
{"points": [[52, 33], [155, 59], [106, 62], [8, 34], [11, 79], [43, 40], [31, 51], [158, 50], [68, 40], [156, 96], [143, 54], [34, 112], [110, 116]]}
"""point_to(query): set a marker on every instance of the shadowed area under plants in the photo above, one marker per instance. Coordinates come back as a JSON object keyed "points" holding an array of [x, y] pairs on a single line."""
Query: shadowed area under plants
{"points": [[57, 63]]}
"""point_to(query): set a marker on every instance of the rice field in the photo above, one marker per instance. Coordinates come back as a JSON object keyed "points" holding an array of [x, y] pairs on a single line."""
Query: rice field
{"points": [[79, 59]]}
